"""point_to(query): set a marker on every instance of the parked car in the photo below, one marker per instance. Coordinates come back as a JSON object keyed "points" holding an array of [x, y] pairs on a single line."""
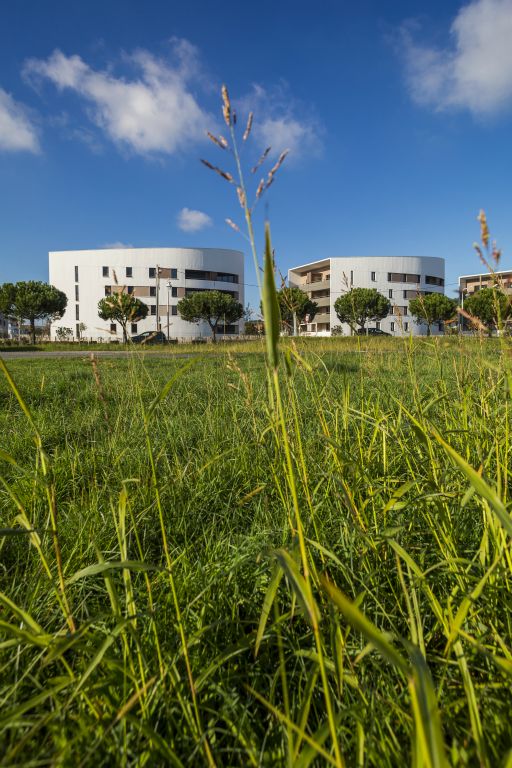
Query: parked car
{"points": [[150, 337], [371, 332]]}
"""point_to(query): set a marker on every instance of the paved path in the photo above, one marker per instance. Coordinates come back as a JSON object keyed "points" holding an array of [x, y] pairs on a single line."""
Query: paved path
{"points": [[65, 353]]}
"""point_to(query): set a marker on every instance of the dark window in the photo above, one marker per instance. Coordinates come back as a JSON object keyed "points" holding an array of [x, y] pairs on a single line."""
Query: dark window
{"points": [[105, 271], [152, 309], [373, 277], [152, 290], [77, 331], [227, 329], [174, 310], [406, 326], [134, 327], [113, 328], [392, 326], [108, 290], [227, 277], [152, 271], [77, 297], [129, 271], [76, 274], [77, 312], [390, 292], [377, 325], [351, 277], [197, 274], [129, 289], [174, 292], [412, 279], [174, 274], [431, 280]]}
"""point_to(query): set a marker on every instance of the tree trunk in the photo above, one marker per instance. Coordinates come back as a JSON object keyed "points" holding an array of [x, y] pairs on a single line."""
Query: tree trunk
{"points": [[295, 324], [428, 329], [33, 330], [125, 335]]}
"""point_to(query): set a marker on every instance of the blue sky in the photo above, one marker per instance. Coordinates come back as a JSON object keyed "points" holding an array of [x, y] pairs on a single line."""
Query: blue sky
{"points": [[398, 116]]}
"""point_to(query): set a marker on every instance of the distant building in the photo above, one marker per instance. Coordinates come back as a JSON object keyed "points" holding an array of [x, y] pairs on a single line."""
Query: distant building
{"points": [[398, 278], [157, 276], [469, 284]]}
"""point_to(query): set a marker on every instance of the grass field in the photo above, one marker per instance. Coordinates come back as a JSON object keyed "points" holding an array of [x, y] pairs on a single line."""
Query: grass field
{"points": [[194, 573]]}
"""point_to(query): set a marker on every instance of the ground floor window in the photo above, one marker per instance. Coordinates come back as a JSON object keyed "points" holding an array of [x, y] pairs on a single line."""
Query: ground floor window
{"points": [[134, 327], [392, 326], [113, 328]]}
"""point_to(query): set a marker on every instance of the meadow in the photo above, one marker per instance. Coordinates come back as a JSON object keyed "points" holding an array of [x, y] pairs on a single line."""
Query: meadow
{"points": [[199, 568]]}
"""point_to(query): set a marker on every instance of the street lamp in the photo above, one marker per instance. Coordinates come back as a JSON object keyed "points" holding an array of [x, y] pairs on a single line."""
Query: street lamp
{"points": [[168, 285]]}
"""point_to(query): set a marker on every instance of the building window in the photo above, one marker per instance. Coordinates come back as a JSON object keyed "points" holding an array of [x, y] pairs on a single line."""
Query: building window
{"points": [[431, 280], [113, 328], [152, 309], [390, 293], [77, 312], [174, 293], [108, 290], [227, 277], [105, 271], [130, 289], [392, 326], [76, 274], [174, 310], [152, 271], [76, 293], [373, 278], [174, 274], [351, 277], [406, 326], [134, 327], [78, 330], [377, 325], [129, 271], [152, 290]]}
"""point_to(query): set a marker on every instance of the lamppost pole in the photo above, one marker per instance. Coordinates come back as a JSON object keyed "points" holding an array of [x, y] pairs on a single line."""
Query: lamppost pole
{"points": [[168, 285]]}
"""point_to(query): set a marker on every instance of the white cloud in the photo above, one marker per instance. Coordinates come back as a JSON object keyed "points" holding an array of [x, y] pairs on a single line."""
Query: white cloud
{"points": [[281, 122], [17, 133], [192, 221], [475, 72], [155, 112], [117, 244]]}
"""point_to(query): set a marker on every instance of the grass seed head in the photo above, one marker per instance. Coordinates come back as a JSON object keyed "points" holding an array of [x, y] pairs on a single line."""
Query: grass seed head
{"points": [[261, 160], [484, 229], [224, 174], [232, 224], [220, 142], [241, 196], [248, 127], [261, 187], [226, 106]]}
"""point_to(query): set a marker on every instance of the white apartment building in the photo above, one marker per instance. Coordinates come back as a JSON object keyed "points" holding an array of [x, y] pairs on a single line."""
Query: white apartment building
{"points": [[398, 278], [157, 276]]}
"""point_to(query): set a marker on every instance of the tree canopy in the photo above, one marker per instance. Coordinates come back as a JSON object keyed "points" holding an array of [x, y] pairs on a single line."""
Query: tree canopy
{"points": [[359, 305], [32, 300], [294, 305], [214, 307], [490, 305], [122, 308], [432, 308]]}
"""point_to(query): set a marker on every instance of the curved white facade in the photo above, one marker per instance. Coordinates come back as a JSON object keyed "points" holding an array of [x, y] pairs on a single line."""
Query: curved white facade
{"points": [[398, 278], [157, 276]]}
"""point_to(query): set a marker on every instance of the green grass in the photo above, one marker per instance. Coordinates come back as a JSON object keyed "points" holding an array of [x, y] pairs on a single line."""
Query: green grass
{"points": [[194, 572]]}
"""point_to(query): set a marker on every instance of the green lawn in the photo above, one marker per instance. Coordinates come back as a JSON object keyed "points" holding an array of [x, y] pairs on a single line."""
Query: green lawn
{"points": [[177, 544]]}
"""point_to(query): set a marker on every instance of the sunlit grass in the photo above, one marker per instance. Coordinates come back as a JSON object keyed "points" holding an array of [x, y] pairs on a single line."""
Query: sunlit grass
{"points": [[182, 631]]}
